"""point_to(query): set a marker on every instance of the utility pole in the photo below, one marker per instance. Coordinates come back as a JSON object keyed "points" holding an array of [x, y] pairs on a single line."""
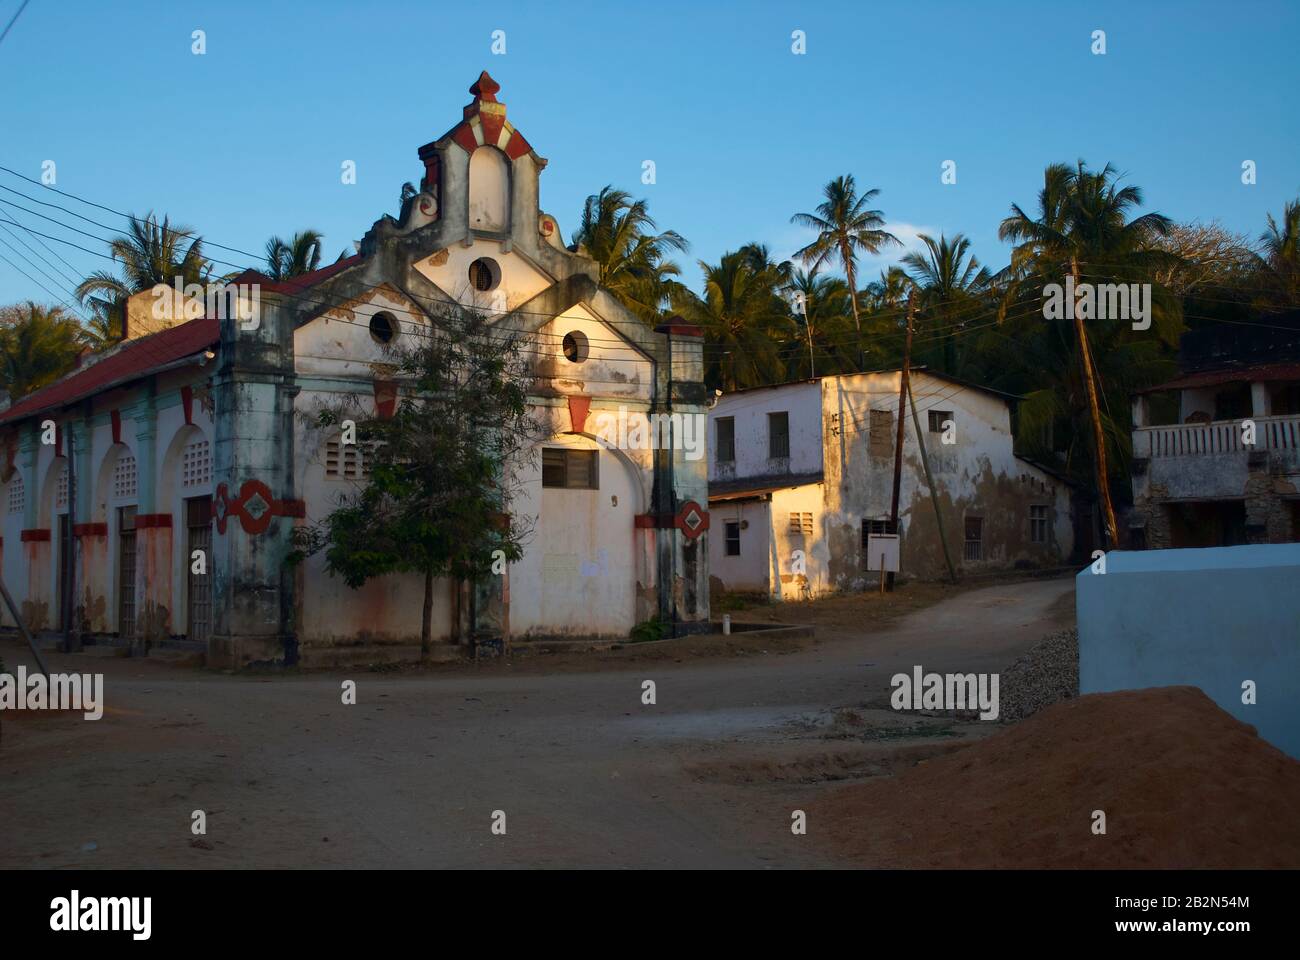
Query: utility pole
{"points": [[1099, 438], [899, 435], [902, 399], [69, 546], [802, 303], [929, 479]]}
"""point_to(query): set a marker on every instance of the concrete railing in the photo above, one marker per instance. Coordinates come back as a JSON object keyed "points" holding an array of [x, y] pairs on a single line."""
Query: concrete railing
{"points": [[1216, 438]]}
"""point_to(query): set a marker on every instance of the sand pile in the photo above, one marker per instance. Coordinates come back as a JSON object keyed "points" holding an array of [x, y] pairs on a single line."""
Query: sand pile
{"points": [[1182, 783]]}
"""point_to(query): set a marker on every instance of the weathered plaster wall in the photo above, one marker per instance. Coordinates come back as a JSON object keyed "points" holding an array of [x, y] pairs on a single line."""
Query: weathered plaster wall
{"points": [[151, 421], [751, 570], [977, 475], [750, 409]]}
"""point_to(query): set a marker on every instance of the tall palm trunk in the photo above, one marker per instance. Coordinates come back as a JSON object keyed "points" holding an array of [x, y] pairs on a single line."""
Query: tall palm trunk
{"points": [[1094, 411], [849, 273]]}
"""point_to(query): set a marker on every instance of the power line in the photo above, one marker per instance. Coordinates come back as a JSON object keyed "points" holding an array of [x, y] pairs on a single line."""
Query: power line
{"points": [[13, 20]]}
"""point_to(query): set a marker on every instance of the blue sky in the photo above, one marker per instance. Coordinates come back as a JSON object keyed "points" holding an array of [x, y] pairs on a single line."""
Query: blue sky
{"points": [[247, 140]]}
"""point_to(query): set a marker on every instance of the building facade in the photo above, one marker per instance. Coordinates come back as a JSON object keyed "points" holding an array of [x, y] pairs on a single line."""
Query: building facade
{"points": [[801, 475], [196, 437], [1216, 451]]}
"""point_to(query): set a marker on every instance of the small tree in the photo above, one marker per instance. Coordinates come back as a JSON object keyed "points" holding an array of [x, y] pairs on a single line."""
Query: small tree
{"points": [[442, 470]]}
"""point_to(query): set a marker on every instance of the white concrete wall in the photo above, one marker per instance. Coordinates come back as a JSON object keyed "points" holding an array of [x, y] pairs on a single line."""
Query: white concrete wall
{"points": [[977, 474], [579, 573], [751, 570], [159, 489], [448, 269], [1213, 618], [584, 560], [750, 408]]}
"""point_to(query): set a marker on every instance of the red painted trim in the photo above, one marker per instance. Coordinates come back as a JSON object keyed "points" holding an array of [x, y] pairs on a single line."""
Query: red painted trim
{"points": [[579, 407], [146, 521], [90, 529], [385, 398], [464, 137], [430, 182], [680, 329], [224, 507], [492, 124], [517, 146], [670, 521], [686, 509], [35, 536], [116, 417], [187, 401]]}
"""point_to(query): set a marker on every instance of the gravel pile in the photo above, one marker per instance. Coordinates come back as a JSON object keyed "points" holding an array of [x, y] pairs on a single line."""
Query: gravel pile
{"points": [[1047, 673]]}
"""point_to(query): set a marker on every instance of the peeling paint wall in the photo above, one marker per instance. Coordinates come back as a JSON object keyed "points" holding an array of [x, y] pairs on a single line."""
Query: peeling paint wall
{"points": [[852, 440]]}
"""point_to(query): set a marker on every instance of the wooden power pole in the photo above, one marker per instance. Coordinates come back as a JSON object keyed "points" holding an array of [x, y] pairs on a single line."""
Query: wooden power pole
{"points": [[1094, 411], [902, 399]]}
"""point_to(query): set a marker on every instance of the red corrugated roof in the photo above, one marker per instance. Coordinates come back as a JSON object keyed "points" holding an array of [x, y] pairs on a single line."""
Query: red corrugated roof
{"points": [[299, 283], [129, 361], [1212, 378]]}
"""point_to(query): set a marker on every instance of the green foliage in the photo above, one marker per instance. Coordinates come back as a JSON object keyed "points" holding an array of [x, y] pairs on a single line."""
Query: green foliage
{"points": [[292, 258], [618, 233], [1083, 224], [38, 344], [150, 253], [442, 469], [846, 228], [647, 631]]}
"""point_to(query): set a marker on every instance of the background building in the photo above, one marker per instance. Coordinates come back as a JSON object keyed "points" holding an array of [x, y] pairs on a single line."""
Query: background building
{"points": [[809, 467], [1198, 481]]}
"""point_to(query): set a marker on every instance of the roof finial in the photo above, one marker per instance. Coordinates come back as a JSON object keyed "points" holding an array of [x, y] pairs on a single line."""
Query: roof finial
{"points": [[485, 88]]}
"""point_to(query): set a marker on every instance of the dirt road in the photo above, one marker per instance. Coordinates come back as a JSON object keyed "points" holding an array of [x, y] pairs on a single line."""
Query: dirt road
{"points": [[410, 776]]}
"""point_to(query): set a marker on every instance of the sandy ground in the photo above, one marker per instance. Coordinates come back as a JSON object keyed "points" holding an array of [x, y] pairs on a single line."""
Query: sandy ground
{"points": [[1181, 783], [586, 774]]}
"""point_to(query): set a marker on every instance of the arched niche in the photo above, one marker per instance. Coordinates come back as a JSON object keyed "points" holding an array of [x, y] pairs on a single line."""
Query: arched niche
{"points": [[489, 190]]}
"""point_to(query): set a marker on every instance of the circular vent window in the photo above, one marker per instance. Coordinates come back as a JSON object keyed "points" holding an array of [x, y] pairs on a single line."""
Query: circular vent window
{"points": [[484, 274], [575, 347], [383, 327]]}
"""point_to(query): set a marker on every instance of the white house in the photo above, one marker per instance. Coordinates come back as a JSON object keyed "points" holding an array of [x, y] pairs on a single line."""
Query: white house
{"points": [[801, 474]]}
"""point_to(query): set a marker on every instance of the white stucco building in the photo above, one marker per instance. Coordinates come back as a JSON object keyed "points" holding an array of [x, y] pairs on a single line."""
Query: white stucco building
{"points": [[801, 474], [194, 434]]}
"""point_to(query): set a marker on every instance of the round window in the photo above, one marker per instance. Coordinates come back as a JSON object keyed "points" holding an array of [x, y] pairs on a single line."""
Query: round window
{"points": [[484, 274], [383, 327], [575, 346]]}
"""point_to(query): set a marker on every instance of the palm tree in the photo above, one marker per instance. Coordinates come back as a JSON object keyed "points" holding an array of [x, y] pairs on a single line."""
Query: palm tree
{"points": [[1281, 253], [618, 233], [38, 344], [301, 254], [1083, 231], [845, 228], [949, 282], [103, 329], [743, 317], [822, 314], [151, 253]]}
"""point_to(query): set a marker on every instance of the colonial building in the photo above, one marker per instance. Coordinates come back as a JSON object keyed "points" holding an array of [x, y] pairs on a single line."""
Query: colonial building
{"points": [[1216, 451], [801, 475], [193, 438]]}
